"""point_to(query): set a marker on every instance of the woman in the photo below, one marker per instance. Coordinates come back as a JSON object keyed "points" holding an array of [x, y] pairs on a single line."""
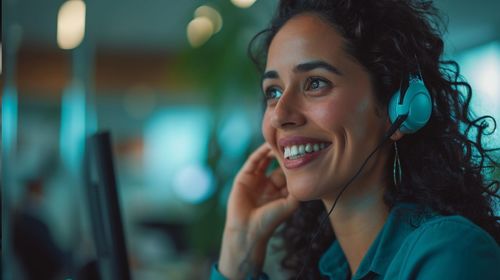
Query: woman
{"points": [[408, 203]]}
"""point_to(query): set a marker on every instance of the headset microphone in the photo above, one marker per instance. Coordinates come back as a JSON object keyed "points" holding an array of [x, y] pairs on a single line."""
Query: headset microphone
{"points": [[397, 124]]}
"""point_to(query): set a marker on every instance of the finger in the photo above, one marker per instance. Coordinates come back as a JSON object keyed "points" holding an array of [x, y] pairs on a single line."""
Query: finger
{"points": [[263, 165], [256, 158], [284, 192], [276, 185], [272, 154], [277, 178]]}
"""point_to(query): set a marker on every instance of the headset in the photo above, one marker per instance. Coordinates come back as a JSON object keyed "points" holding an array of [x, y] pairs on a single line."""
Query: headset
{"points": [[409, 110], [413, 104]]}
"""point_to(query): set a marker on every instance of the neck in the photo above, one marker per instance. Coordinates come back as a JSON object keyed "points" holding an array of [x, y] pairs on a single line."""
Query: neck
{"points": [[357, 219]]}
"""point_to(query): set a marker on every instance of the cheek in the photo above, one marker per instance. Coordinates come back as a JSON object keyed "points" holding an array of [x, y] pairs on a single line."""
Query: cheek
{"points": [[354, 116], [362, 117], [332, 114], [267, 129]]}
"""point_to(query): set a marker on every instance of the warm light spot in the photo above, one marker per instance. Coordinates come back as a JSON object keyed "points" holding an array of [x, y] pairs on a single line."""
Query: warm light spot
{"points": [[71, 24], [199, 30], [212, 14], [243, 3]]}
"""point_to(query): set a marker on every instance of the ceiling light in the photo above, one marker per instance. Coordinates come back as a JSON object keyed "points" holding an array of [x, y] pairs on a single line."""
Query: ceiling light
{"points": [[212, 14], [243, 3], [199, 30], [71, 24]]}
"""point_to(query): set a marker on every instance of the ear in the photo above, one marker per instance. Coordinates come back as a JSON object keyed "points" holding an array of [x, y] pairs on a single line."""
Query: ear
{"points": [[396, 135]]}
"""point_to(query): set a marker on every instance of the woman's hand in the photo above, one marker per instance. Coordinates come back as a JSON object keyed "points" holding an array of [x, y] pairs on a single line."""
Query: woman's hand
{"points": [[258, 203]]}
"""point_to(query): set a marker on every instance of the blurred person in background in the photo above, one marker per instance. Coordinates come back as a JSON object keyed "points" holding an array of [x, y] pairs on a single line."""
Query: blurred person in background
{"points": [[403, 193], [37, 253]]}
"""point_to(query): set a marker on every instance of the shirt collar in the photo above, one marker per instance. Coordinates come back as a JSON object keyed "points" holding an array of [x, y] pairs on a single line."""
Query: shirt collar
{"points": [[402, 220], [333, 262]]}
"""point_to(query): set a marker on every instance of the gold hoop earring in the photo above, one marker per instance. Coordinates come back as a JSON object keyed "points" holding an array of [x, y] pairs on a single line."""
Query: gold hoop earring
{"points": [[396, 167]]}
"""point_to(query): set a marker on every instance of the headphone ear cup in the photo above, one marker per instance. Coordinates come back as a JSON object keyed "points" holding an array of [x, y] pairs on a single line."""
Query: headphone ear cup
{"points": [[417, 104]]}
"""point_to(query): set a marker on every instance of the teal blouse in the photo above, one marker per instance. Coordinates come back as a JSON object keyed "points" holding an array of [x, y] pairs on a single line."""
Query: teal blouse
{"points": [[418, 244]]}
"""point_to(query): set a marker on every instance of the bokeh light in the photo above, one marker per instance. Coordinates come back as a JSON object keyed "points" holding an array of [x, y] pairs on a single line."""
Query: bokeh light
{"points": [[481, 68], [71, 24], [194, 183], [174, 138], [212, 14], [199, 30], [243, 3]]}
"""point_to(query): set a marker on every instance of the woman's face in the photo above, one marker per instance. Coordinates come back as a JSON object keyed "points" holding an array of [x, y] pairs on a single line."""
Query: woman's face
{"points": [[321, 117]]}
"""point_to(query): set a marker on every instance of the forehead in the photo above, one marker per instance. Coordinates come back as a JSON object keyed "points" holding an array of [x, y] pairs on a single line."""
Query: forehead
{"points": [[305, 37]]}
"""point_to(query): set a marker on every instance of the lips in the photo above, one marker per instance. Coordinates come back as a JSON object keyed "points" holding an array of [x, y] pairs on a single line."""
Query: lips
{"points": [[299, 151]]}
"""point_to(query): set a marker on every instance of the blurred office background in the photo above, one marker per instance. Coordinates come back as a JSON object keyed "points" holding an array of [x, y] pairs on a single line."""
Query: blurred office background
{"points": [[172, 82]]}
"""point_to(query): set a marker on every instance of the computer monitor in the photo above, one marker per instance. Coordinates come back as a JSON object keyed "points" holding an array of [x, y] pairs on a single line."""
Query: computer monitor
{"points": [[104, 206]]}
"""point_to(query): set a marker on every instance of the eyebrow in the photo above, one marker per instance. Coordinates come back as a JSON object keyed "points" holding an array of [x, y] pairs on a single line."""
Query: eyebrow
{"points": [[305, 67], [308, 66], [270, 75]]}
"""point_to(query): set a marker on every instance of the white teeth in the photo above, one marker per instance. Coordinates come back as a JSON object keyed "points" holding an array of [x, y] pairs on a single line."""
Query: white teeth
{"points": [[297, 151], [302, 149], [316, 147], [287, 152], [309, 148]]}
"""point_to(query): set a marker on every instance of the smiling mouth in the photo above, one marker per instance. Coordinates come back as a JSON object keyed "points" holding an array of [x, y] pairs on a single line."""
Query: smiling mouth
{"points": [[294, 152]]}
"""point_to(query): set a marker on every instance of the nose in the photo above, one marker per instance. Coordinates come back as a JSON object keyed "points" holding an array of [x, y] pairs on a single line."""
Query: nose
{"points": [[287, 113]]}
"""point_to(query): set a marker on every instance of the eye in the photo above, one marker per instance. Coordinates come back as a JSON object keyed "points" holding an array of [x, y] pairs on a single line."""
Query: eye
{"points": [[272, 93], [315, 83]]}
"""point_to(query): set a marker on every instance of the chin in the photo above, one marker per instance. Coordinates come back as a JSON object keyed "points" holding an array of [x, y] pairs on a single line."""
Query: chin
{"points": [[307, 189], [303, 192]]}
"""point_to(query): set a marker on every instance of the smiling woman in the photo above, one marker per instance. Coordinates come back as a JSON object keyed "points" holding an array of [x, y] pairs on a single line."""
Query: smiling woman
{"points": [[325, 97], [367, 125]]}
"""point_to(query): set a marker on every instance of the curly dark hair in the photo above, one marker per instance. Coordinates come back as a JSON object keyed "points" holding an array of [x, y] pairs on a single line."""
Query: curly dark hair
{"points": [[444, 163]]}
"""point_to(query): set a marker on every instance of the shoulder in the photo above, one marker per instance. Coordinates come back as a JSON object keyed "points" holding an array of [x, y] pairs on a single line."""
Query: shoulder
{"points": [[450, 247], [451, 229]]}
